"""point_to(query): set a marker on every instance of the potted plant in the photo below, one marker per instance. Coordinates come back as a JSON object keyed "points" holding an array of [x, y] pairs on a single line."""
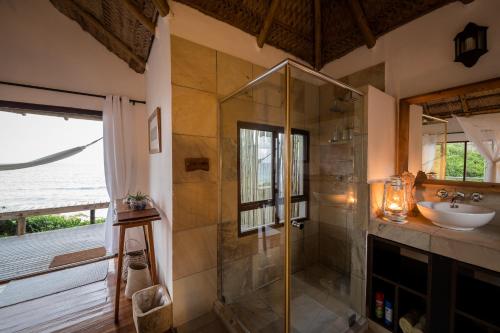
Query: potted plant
{"points": [[137, 201]]}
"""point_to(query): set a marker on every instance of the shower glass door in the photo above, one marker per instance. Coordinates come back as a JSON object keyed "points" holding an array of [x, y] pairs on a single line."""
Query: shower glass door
{"points": [[327, 234], [251, 232], [291, 235]]}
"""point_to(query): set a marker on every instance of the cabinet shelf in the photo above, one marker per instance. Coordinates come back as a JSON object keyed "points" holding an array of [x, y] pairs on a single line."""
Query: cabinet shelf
{"points": [[454, 297], [391, 264], [486, 325]]}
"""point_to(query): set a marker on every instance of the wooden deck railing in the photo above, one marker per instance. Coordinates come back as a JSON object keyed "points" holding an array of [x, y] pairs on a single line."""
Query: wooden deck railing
{"points": [[21, 215]]}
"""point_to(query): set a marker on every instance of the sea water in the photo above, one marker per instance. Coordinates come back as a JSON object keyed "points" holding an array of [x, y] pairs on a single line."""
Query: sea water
{"points": [[53, 185]]}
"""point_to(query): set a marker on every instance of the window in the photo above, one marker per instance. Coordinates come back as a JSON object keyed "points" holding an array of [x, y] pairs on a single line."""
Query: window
{"points": [[261, 167], [464, 162]]}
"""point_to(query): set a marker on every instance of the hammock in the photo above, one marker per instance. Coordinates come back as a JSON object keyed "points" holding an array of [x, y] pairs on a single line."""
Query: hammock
{"points": [[47, 159]]}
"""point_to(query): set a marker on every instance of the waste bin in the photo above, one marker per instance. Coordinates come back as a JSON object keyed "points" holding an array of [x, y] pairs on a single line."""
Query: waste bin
{"points": [[152, 310]]}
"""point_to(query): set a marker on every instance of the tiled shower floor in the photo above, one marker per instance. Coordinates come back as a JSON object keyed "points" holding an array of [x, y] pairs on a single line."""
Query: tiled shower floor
{"points": [[320, 299]]}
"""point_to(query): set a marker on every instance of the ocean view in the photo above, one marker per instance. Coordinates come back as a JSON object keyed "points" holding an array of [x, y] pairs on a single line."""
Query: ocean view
{"points": [[75, 180], [53, 185]]}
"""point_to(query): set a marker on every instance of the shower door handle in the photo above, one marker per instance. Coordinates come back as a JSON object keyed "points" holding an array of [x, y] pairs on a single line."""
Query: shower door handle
{"points": [[297, 224]]}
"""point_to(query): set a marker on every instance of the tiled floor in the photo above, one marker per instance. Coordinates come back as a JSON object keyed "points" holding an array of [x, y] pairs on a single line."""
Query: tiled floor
{"points": [[32, 253], [320, 299], [208, 323]]}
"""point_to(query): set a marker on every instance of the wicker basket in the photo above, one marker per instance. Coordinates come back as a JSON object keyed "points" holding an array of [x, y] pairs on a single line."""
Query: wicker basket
{"points": [[132, 257]]}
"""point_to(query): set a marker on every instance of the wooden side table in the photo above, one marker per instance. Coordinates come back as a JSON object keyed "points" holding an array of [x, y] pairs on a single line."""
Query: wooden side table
{"points": [[128, 218]]}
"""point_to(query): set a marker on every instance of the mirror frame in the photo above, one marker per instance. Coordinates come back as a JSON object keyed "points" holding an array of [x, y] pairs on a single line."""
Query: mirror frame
{"points": [[403, 127]]}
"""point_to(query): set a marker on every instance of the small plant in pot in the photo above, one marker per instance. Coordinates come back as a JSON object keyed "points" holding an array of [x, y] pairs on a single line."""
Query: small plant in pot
{"points": [[137, 201]]}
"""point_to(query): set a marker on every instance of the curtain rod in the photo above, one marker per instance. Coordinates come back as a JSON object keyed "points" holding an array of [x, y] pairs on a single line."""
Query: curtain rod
{"points": [[133, 101]]}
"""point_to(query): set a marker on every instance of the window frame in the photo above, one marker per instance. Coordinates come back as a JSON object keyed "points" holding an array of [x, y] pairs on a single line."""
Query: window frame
{"points": [[275, 200], [465, 142]]}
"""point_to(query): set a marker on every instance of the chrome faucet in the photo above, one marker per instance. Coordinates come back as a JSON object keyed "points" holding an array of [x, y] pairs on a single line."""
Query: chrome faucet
{"points": [[456, 196]]}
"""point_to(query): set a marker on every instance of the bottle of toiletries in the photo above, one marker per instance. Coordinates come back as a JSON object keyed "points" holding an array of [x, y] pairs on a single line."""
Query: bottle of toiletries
{"points": [[388, 313], [379, 305]]}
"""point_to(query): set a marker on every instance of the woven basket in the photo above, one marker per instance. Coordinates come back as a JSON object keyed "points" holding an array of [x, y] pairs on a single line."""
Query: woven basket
{"points": [[132, 257]]}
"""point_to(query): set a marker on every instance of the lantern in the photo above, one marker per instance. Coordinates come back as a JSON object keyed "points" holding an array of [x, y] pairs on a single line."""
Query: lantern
{"points": [[395, 203], [470, 44]]}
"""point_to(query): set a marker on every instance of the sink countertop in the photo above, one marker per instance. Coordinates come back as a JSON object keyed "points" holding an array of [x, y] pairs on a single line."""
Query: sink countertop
{"points": [[480, 247]]}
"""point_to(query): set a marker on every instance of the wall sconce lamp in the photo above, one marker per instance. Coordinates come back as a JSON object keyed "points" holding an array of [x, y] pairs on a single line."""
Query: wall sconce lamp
{"points": [[470, 44], [395, 203]]}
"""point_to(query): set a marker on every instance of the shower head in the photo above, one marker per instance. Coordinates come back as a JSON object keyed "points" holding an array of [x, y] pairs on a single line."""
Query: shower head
{"points": [[342, 103]]}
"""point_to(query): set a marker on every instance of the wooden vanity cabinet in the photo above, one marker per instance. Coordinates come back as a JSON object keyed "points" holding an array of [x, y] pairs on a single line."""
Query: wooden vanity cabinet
{"points": [[453, 296]]}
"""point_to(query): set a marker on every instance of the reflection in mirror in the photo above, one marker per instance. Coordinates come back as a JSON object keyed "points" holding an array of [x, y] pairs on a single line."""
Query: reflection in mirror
{"points": [[457, 138], [434, 134]]}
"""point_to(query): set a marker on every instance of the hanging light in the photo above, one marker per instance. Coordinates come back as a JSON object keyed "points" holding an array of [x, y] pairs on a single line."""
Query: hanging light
{"points": [[395, 203], [470, 44]]}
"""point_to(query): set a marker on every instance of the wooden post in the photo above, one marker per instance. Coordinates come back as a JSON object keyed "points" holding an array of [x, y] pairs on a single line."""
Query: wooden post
{"points": [[317, 34], [359, 16], [147, 23], [21, 225], [92, 216], [268, 21]]}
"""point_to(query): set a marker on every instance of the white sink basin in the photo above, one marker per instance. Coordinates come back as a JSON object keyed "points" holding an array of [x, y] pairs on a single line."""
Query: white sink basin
{"points": [[464, 217]]}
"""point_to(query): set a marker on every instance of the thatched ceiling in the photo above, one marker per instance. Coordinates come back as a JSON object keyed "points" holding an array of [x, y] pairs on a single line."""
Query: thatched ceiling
{"points": [[345, 24], [316, 31], [483, 102], [113, 24]]}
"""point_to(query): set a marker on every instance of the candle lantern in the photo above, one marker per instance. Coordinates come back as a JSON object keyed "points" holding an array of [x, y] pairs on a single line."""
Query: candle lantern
{"points": [[470, 44], [395, 203]]}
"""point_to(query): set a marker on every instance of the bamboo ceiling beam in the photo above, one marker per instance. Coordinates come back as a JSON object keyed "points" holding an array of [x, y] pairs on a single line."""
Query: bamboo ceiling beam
{"points": [[162, 7], [264, 31], [362, 22], [93, 21], [317, 34], [132, 8]]}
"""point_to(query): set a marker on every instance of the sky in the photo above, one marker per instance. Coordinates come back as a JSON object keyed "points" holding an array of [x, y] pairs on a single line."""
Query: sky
{"points": [[25, 138]]}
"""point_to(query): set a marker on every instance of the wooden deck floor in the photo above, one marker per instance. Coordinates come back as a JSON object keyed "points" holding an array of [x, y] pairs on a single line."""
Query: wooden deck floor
{"points": [[32, 253], [85, 309]]}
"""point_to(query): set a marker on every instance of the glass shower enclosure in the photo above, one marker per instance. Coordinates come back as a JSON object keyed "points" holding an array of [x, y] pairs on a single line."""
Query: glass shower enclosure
{"points": [[292, 203]]}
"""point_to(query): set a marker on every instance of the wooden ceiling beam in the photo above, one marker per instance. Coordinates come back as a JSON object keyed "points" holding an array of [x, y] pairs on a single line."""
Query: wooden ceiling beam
{"points": [[317, 34], [359, 16], [93, 21], [264, 31], [162, 7], [132, 8], [466, 2]]}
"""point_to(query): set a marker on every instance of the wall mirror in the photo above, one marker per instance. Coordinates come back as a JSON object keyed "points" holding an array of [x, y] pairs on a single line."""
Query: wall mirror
{"points": [[452, 135]]}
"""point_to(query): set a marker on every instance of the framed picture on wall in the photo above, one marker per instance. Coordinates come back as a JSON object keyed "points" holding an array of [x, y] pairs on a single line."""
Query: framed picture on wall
{"points": [[154, 126]]}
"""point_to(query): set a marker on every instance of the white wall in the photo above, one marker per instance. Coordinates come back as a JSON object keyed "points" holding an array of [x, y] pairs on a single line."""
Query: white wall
{"points": [[419, 55], [202, 29], [41, 46], [380, 111], [159, 94]]}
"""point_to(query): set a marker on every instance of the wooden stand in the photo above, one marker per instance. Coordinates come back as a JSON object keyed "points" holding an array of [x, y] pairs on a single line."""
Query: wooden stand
{"points": [[128, 218]]}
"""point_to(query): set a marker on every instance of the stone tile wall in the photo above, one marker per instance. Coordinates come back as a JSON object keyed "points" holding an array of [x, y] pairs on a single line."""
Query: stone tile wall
{"points": [[200, 76]]}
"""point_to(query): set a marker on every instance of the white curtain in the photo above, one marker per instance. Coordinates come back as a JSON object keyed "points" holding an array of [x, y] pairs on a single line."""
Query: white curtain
{"points": [[119, 150], [429, 142], [484, 132]]}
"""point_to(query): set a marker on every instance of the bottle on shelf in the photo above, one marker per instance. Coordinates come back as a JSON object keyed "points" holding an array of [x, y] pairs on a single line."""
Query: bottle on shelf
{"points": [[379, 305], [388, 313]]}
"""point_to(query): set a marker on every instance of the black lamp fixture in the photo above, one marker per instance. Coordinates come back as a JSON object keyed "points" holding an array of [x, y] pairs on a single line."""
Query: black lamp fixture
{"points": [[470, 44]]}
